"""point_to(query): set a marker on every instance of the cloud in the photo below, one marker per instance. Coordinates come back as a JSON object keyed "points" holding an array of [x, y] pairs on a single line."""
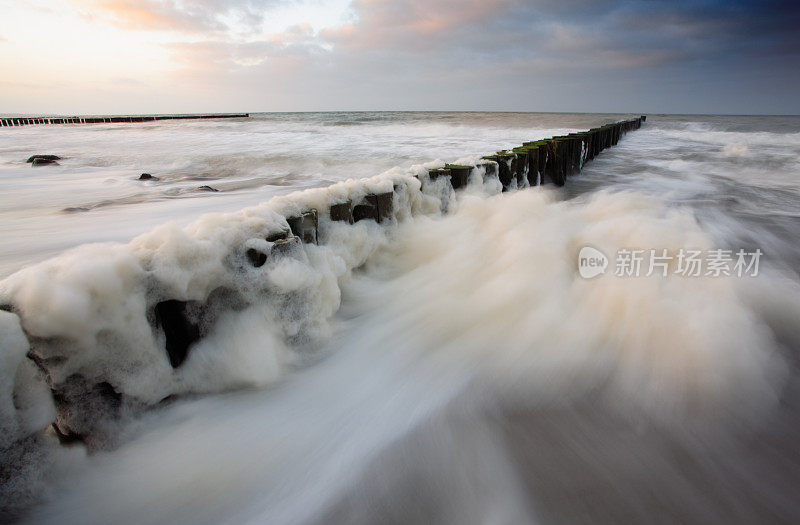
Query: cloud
{"points": [[413, 24], [469, 54], [404, 39], [197, 16], [593, 34]]}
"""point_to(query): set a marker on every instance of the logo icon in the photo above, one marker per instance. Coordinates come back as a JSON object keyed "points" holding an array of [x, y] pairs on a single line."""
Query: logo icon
{"points": [[591, 262]]}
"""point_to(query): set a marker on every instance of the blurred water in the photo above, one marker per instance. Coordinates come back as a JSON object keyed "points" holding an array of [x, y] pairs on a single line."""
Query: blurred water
{"points": [[470, 375]]}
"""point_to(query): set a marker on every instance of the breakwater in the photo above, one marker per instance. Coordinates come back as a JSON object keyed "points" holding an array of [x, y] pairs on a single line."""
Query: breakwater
{"points": [[32, 121], [108, 330]]}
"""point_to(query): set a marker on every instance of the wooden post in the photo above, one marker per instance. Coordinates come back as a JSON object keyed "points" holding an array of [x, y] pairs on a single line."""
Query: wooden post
{"points": [[436, 173], [305, 226], [459, 175], [342, 212]]}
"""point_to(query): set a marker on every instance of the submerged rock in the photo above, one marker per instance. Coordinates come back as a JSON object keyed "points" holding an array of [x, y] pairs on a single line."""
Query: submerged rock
{"points": [[33, 158], [43, 162], [207, 188], [147, 176]]}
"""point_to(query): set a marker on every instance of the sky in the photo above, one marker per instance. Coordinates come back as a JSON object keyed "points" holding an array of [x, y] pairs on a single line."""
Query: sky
{"points": [[179, 56]]}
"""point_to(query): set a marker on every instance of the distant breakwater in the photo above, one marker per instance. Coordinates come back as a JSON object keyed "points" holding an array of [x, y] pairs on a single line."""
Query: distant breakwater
{"points": [[32, 121]]}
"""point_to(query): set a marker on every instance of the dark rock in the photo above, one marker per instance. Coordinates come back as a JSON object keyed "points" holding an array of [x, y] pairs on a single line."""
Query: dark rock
{"points": [[43, 162], [32, 158], [147, 176], [207, 188]]}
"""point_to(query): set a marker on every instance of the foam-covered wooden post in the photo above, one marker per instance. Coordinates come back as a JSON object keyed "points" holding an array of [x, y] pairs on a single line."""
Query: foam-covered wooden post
{"points": [[342, 212], [489, 168], [459, 175], [520, 165], [375, 207], [305, 226], [532, 151], [439, 172], [384, 203], [506, 172], [501, 170], [577, 150], [555, 169], [583, 146], [282, 241], [569, 155], [363, 211], [367, 209]]}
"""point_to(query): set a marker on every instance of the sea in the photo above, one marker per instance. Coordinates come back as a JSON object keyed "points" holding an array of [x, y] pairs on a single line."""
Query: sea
{"points": [[622, 349]]}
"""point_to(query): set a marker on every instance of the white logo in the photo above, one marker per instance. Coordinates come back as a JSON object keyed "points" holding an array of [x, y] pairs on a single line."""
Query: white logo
{"points": [[591, 262]]}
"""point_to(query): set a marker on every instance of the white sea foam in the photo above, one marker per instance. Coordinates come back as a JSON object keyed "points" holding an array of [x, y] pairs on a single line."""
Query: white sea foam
{"points": [[431, 305], [25, 403]]}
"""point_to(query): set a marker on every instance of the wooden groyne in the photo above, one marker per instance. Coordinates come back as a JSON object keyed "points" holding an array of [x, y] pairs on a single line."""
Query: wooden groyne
{"points": [[94, 378], [547, 161], [535, 163], [32, 121]]}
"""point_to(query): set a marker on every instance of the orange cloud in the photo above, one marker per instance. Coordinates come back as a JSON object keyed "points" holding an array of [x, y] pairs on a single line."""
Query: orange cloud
{"points": [[133, 14], [156, 15]]}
